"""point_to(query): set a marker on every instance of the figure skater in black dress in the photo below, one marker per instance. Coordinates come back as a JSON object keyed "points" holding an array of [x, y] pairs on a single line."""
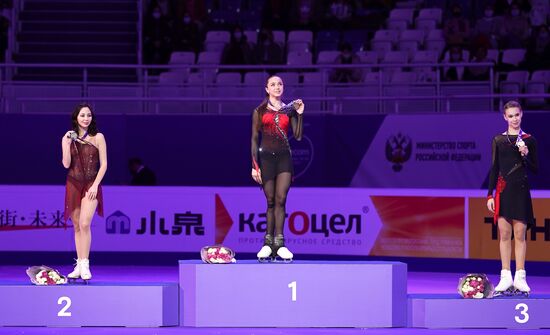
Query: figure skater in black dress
{"points": [[272, 161], [514, 152]]}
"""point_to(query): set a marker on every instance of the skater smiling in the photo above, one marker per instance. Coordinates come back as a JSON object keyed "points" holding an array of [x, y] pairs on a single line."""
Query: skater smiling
{"points": [[513, 153], [272, 161], [85, 156]]}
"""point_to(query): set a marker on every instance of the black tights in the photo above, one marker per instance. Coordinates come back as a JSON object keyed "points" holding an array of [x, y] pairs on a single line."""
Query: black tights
{"points": [[275, 193]]}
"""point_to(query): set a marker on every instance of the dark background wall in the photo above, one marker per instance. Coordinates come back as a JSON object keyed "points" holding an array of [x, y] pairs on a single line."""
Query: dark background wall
{"points": [[208, 150]]}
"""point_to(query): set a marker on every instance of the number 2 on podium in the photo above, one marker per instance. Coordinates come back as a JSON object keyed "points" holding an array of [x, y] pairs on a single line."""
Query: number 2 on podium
{"points": [[292, 286], [63, 311]]}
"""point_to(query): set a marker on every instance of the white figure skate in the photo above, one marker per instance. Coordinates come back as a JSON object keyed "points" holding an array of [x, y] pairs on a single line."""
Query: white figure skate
{"points": [[505, 285], [85, 273], [76, 272], [266, 252], [520, 283], [281, 252]]}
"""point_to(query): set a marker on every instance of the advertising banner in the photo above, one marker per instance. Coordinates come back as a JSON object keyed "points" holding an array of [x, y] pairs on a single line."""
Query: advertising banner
{"points": [[483, 234], [331, 221]]}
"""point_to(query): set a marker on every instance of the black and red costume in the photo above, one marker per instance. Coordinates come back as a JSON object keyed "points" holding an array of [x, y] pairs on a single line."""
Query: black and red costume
{"points": [[508, 176], [274, 158]]}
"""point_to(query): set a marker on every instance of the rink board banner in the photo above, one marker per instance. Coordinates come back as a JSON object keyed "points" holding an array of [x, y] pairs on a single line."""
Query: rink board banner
{"points": [[483, 235], [420, 226], [184, 219]]}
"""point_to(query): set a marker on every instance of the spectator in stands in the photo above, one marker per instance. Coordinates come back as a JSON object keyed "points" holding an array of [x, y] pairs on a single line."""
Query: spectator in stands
{"points": [[478, 72], [371, 14], [4, 28], [349, 75], [457, 28], [186, 34], [267, 51], [454, 72], [339, 13], [304, 15], [164, 6], [275, 14], [538, 51], [515, 31], [540, 13], [503, 7], [194, 8], [487, 30], [157, 42], [238, 51], [141, 174]]}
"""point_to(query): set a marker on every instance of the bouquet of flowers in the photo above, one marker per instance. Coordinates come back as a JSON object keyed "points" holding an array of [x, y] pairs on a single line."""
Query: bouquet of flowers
{"points": [[476, 286], [217, 255], [44, 275]]}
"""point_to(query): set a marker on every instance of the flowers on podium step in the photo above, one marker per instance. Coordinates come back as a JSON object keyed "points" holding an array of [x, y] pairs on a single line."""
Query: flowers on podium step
{"points": [[217, 254], [476, 286], [44, 275]]}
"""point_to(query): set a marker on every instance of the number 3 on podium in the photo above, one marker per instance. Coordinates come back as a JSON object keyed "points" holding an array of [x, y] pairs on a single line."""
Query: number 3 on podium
{"points": [[523, 308]]}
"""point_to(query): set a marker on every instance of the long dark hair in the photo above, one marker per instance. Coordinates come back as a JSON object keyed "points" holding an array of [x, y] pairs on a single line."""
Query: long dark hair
{"points": [[92, 128], [263, 105]]}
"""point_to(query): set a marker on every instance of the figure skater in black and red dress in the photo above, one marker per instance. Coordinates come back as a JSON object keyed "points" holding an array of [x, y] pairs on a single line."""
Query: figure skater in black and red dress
{"points": [[85, 155], [514, 153], [272, 161]]}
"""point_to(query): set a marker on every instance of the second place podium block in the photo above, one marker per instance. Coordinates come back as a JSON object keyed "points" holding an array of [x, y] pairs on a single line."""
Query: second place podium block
{"points": [[113, 305]]}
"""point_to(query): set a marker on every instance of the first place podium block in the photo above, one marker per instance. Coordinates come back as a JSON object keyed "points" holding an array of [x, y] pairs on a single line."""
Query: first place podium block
{"points": [[115, 305], [300, 294]]}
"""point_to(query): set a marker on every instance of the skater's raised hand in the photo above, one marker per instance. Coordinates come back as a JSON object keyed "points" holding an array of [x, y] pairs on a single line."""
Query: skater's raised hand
{"points": [[299, 106]]}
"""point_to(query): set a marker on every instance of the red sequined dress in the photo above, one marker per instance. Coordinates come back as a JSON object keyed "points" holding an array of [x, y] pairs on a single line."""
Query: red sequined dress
{"points": [[274, 154], [81, 175]]}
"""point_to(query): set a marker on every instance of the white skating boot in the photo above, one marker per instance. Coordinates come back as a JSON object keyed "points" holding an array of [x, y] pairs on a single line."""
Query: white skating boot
{"points": [[505, 284], [76, 272], [85, 273], [520, 282], [266, 252], [282, 251]]}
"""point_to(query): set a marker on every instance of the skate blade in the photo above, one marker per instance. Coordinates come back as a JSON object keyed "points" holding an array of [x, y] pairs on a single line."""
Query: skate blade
{"points": [[76, 281], [282, 260], [264, 259], [508, 293], [519, 293]]}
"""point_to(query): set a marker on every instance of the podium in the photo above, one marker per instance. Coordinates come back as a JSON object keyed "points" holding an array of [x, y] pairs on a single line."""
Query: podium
{"points": [[451, 311], [299, 294], [129, 305]]}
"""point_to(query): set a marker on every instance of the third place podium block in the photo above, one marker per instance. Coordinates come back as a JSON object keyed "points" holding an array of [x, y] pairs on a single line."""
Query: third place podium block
{"points": [[300, 294], [450, 311]]}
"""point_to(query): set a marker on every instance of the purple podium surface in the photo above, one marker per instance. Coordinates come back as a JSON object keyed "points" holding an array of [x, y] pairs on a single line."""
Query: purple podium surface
{"points": [[300, 294], [132, 305], [451, 311]]}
